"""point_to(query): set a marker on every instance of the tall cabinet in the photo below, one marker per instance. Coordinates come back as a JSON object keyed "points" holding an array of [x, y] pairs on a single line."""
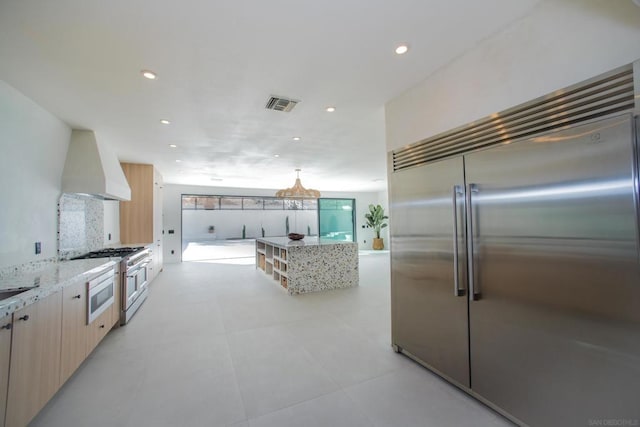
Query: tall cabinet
{"points": [[141, 218]]}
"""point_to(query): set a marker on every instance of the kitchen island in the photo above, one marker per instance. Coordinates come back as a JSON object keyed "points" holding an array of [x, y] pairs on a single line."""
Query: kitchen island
{"points": [[308, 265]]}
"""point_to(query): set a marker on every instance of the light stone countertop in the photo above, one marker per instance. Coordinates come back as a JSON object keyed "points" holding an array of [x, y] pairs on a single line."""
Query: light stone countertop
{"points": [[50, 280], [285, 242]]}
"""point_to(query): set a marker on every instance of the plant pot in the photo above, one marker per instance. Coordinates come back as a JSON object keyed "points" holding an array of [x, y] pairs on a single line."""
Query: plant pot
{"points": [[378, 244]]}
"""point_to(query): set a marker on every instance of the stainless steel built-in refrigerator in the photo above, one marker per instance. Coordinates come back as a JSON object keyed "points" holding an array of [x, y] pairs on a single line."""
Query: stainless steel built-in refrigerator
{"points": [[516, 272]]}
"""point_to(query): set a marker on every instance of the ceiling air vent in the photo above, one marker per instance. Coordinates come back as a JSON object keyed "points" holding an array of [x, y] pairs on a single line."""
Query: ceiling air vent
{"points": [[279, 103]]}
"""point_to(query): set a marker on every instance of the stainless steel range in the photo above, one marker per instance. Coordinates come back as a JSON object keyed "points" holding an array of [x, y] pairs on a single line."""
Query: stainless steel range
{"points": [[134, 283], [134, 278]]}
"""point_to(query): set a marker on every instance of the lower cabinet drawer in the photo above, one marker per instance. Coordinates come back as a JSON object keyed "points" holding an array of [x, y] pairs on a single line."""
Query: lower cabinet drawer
{"points": [[98, 329]]}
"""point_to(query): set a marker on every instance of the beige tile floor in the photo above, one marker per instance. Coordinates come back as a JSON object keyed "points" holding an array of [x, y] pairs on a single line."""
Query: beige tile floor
{"points": [[222, 345]]}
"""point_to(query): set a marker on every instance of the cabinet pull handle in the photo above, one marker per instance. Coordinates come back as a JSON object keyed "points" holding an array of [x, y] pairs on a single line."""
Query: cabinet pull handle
{"points": [[77, 296], [25, 317], [457, 191], [474, 288], [7, 326]]}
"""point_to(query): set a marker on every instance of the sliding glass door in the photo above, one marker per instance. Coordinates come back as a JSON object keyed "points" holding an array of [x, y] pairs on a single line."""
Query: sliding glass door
{"points": [[336, 219]]}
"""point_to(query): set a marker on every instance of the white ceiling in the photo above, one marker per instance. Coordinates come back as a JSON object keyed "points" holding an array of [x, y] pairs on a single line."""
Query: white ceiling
{"points": [[217, 64]]}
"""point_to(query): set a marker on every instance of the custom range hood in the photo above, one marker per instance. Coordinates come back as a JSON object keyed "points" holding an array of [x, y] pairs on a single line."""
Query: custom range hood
{"points": [[92, 169]]}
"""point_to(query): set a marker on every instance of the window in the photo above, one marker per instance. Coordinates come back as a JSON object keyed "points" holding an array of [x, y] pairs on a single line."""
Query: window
{"points": [[252, 203], [230, 202], [208, 203], [213, 202]]}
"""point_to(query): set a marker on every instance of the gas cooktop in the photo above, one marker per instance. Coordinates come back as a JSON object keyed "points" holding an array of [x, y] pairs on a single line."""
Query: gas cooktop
{"points": [[110, 252]]}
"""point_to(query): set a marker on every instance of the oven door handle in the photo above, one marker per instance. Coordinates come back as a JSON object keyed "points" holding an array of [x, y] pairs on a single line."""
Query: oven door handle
{"points": [[137, 271], [140, 264], [101, 278], [101, 286]]}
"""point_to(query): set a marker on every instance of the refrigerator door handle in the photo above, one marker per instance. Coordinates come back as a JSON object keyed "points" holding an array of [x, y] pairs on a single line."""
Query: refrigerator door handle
{"points": [[457, 191], [474, 288]]}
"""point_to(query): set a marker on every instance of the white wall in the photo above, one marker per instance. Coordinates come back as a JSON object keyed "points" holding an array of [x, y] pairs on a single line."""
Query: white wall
{"points": [[560, 43], [172, 215], [33, 147]]}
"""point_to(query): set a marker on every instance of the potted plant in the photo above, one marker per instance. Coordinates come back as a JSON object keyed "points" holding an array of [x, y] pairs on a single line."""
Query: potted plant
{"points": [[375, 219], [212, 229]]}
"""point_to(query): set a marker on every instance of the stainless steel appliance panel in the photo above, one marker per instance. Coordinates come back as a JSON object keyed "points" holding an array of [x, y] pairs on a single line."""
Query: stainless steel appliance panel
{"points": [[555, 324], [134, 283], [100, 294], [429, 307]]}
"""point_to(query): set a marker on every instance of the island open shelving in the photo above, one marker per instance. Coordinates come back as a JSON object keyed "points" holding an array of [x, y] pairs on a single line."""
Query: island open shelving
{"points": [[308, 265]]}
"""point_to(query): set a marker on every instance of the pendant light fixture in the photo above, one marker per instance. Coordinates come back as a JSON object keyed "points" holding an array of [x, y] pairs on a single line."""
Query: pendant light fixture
{"points": [[298, 191]]}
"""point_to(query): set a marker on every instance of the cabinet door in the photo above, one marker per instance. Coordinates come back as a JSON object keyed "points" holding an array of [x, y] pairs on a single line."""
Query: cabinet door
{"points": [[5, 354], [98, 329], [151, 267], [35, 359], [136, 215], [74, 329]]}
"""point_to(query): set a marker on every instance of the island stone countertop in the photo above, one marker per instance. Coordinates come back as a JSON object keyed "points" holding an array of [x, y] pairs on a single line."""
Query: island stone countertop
{"points": [[47, 281], [285, 242]]}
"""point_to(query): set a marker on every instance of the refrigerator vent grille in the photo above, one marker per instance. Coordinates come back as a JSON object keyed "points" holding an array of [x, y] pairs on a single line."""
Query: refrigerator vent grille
{"points": [[612, 92]]}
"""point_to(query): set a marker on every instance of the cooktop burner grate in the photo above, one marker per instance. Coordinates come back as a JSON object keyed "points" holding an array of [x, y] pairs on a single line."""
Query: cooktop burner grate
{"points": [[110, 252]]}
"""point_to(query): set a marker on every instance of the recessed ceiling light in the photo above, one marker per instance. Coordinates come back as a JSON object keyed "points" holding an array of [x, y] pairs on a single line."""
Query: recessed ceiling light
{"points": [[331, 109], [402, 49], [276, 155], [172, 145], [148, 74], [178, 160], [165, 121], [296, 138]]}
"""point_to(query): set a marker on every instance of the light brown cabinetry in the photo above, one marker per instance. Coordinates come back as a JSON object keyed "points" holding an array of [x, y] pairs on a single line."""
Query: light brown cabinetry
{"points": [[74, 329], [5, 355], [34, 375], [141, 218], [98, 329]]}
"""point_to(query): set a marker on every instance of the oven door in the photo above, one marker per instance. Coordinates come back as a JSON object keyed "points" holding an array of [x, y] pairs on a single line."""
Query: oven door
{"points": [[135, 281], [101, 292]]}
